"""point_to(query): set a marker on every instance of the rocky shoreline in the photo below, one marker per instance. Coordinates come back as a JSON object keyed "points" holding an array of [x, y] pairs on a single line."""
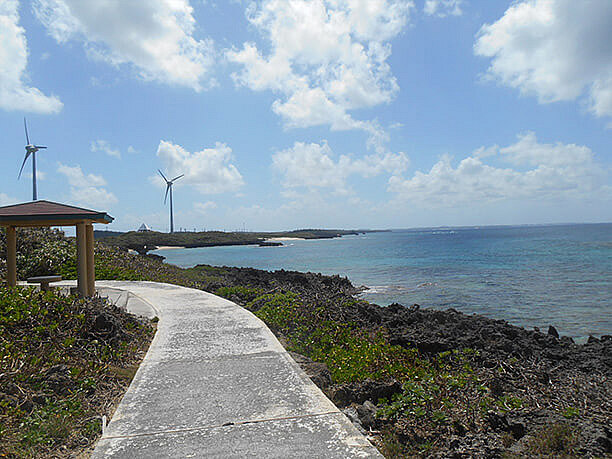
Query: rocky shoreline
{"points": [[143, 242], [545, 371], [556, 395], [419, 382]]}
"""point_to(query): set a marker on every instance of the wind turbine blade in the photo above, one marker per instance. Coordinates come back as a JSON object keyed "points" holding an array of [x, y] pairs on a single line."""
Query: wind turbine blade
{"points": [[176, 178], [40, 147], [167, 189], [162, 174], [25, 125], [23, 164]]}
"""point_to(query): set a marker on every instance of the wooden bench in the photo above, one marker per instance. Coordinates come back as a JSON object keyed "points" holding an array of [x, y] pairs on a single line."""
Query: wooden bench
{"points": [[44, 281]]}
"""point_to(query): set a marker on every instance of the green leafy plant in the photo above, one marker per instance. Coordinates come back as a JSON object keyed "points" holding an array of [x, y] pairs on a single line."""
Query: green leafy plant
{"points": [[509, 403], [64, 369], [571, 412]]}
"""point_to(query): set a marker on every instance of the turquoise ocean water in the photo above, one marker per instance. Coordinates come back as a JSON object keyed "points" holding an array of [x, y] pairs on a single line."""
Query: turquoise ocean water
{"points": [[557, 275]]}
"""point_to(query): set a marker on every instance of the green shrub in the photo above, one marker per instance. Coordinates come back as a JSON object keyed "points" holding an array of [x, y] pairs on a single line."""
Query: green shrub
{"points": [[509, 403], [40, 252], [350, 354], [41, 330], [571, 412], [390, 446], [246, 294]]}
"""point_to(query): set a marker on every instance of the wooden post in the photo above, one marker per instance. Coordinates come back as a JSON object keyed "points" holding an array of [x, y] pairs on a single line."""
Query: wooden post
{"points": [[91, 268], [11, 256], [81, 259]]}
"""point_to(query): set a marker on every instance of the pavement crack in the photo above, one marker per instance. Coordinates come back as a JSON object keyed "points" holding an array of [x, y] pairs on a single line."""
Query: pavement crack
{"points": [[216, 426]]}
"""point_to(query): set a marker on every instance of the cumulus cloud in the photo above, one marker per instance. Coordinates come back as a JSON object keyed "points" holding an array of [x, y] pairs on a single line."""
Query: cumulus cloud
{"points": [[204, 207], [443, 8], [6, 200], [313, 166], [15, 90], [209, 170], [557, 50], [156, 36], [327, 57], [40, 175], [87, 189], [542, 171], [102, 146]]}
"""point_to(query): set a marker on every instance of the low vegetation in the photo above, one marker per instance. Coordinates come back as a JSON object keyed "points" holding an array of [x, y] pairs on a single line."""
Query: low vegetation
{"points": [[143, 241], [437, 394], [425, 402], [559, 440], [64, 362]]}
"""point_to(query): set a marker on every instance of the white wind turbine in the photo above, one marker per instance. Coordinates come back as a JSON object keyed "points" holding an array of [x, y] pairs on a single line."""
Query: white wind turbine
{"points": [[169, 184], [30, 150]]}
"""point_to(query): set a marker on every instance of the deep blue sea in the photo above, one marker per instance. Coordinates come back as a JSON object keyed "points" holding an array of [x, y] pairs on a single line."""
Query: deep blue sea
{"points": [[557, 275]]}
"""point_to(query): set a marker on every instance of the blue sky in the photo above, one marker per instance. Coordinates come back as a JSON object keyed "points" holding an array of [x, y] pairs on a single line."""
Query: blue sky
{"points": [[312, 113]]}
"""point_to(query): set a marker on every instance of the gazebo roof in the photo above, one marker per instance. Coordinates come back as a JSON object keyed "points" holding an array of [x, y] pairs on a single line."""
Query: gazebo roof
{"points": [[47, 213]]}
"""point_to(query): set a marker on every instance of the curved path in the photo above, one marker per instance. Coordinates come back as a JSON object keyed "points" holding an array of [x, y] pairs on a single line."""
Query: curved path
{"points": [[216, 383]]}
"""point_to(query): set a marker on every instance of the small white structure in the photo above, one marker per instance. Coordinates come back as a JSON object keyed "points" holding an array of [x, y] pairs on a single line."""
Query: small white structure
{"points": [[144, 227]]}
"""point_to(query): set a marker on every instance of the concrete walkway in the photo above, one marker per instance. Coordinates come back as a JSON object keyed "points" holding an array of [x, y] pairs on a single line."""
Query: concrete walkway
{"points": [[217, 383]]}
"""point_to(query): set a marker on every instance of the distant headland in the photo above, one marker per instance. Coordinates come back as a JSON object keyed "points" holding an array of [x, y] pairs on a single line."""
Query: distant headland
{"points": [[145, 241]]}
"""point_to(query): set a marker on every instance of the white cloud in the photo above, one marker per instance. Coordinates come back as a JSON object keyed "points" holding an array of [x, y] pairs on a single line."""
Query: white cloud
{"points": [[78, 179], [131, 150], [312, 166], [209, 170], [443, 8], [204, 207], [15, 90], [544, 171], [554, 49], [102, 146], [156, 36], [373, 165], [311, 209], [87, 189], [327, 57], [6, 200], [40, 175]]}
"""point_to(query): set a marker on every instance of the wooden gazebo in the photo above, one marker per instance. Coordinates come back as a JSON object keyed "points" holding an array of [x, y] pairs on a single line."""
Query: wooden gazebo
{"points": [[47, 214]]}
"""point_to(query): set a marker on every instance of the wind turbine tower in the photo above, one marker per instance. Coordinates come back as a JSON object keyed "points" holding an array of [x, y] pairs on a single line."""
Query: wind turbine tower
{"points": [[30, 150], [169, 184]]}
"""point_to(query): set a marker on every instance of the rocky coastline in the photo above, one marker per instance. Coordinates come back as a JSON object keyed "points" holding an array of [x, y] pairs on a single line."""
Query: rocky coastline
{"points": [[420, 382], [143, 242], [556, 395]]}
